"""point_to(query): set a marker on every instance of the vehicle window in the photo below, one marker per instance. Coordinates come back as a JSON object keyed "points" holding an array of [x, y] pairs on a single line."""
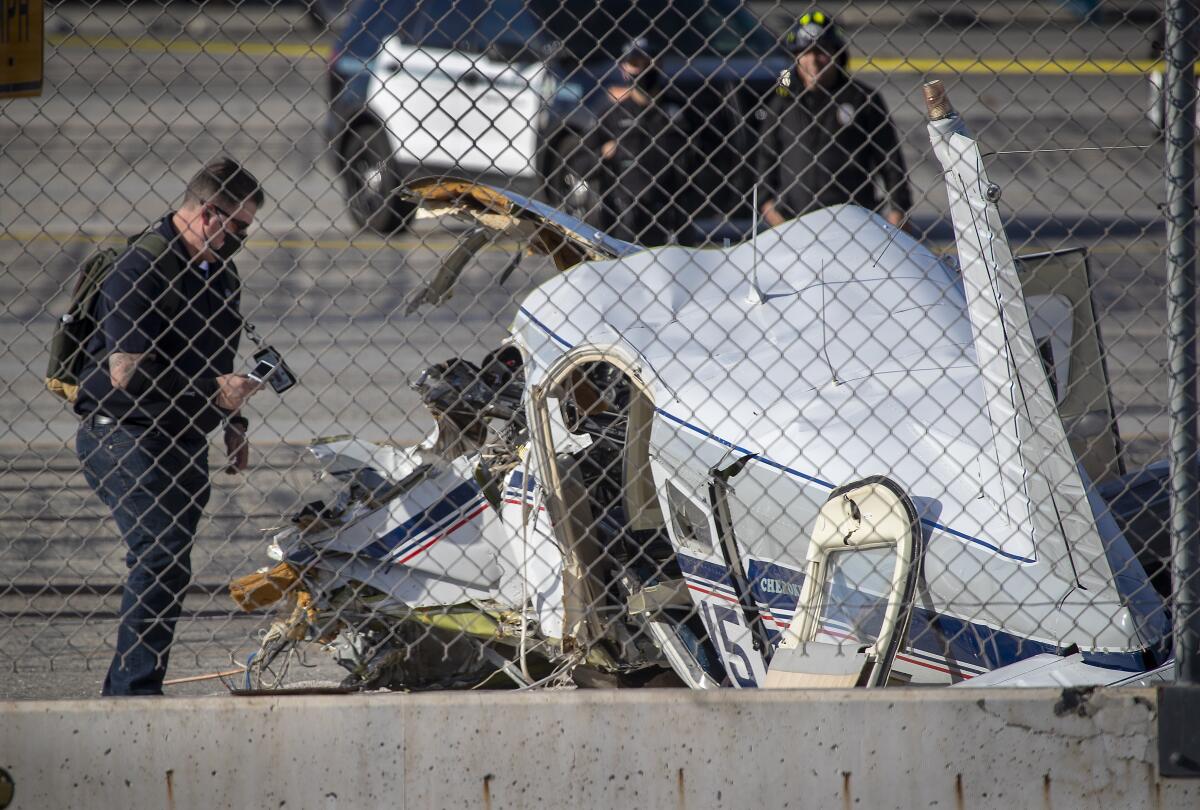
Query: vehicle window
{"points": [[855, 593], [689, 520], [371, 24], [599, 29], [503, 28]]}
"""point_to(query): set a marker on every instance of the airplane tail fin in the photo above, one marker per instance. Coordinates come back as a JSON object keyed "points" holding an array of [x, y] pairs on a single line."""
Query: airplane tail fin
{"points": [[1038, 482]]}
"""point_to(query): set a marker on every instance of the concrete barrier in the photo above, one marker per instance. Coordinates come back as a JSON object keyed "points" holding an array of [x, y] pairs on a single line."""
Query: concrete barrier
{"points": [[643, 749]]}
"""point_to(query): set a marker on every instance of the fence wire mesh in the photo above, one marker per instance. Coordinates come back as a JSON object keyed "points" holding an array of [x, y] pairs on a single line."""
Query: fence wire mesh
{"points": [[709, 369]]}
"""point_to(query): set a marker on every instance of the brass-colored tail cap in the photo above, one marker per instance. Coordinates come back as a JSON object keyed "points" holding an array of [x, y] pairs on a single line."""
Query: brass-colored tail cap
{"points": [[936, 100]]}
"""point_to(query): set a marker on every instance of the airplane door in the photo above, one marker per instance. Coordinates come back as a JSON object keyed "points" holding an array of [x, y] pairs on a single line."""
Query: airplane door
{"points": [[863, 564], [711, 584], [1057, 287]]}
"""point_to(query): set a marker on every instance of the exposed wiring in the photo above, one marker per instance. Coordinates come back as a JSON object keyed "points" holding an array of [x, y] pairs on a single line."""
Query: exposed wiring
{"points": [[212, 676], [575, 660]]}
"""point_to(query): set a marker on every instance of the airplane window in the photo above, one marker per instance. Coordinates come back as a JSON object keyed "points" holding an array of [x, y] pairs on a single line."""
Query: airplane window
{"points": [[689, 520], [855, 593]]}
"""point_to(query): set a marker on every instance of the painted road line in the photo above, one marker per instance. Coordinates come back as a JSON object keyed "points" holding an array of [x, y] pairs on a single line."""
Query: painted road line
{"points": [[1020, 67], [873, 64], [440, 243], [187, 47]]}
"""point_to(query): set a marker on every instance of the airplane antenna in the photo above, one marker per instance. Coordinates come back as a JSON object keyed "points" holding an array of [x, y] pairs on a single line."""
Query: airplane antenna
{"points": [[756, 296]]}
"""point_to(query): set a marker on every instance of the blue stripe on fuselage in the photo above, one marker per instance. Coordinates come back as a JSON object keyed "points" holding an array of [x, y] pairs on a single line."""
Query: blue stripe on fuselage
{"points": [[453, 504]]}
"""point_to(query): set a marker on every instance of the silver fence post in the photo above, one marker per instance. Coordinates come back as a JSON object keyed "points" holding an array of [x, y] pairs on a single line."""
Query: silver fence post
{"points": [[1180, 131]]}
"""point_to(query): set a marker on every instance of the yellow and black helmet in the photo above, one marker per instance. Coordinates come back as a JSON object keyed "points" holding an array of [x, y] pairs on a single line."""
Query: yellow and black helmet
{"points": [[815, 29]]}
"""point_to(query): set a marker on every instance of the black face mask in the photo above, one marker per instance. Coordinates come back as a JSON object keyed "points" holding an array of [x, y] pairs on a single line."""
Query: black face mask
{"points": [[647, 79], [232, 244]]}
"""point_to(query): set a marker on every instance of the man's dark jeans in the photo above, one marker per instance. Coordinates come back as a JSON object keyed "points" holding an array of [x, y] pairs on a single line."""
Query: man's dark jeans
{"points": [[157, 487]]}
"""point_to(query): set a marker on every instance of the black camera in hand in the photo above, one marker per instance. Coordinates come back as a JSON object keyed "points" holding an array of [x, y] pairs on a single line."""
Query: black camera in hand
{"points": [[269, 368]]}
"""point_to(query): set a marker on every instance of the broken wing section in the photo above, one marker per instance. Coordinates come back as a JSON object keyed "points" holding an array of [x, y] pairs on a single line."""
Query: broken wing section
{"points": [[567, 240]]}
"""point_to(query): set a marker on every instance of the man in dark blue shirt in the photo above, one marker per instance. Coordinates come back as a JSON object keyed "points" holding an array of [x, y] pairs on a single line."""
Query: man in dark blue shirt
{"points": [[162, 380]]}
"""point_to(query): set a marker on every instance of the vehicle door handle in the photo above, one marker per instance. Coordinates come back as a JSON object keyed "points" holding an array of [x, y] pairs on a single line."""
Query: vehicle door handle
{"points": [[473, 78]]}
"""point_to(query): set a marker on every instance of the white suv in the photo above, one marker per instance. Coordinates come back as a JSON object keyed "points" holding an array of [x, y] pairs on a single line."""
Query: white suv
{"points": [[507, 92]]}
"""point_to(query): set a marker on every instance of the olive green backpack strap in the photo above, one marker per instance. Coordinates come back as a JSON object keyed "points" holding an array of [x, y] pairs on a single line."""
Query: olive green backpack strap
{"points": [[157, 246]]}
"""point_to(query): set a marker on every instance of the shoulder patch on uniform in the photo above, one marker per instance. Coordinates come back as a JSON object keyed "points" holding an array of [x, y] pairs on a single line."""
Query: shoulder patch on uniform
{"points": [[784, 86]]}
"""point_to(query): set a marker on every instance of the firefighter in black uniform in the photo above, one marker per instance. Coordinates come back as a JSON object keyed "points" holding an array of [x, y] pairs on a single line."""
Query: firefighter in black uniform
{"points": [[827, 138], [641, 147]]}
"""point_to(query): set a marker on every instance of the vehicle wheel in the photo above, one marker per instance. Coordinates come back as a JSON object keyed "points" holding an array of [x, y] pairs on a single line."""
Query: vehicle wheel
{"points": [[372, 181], [575, 179]]}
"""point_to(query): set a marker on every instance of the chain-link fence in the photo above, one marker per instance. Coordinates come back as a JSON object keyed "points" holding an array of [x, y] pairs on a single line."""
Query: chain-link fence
{"points": [[663, 343]]}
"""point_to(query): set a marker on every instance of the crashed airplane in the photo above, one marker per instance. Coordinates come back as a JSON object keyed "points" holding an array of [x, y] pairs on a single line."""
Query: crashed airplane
{"points": [[823, 457]]}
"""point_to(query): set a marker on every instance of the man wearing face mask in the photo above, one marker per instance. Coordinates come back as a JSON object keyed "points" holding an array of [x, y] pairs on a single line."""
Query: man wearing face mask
{"points": [[826, 137], [161, 379], [642, 148]]}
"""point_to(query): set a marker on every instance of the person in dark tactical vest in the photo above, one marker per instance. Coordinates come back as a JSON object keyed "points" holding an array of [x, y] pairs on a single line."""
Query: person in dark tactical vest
{"points": [[827, 137], [642, 149]]}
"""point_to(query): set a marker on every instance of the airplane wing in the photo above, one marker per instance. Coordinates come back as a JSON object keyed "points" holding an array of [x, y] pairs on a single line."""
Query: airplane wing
{"points": [[564, 238]]}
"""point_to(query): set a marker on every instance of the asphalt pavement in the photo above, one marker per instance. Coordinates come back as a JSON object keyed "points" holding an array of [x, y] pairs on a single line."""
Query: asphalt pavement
{"points": [[136, 97]]}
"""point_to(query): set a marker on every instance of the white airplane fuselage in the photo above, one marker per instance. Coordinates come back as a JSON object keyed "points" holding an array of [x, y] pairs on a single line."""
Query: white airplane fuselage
{"points": [[828, 350]]}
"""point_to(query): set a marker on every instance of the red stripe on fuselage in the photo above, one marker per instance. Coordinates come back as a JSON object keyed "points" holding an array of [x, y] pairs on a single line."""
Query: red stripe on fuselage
{"points": [[444, 534]]}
